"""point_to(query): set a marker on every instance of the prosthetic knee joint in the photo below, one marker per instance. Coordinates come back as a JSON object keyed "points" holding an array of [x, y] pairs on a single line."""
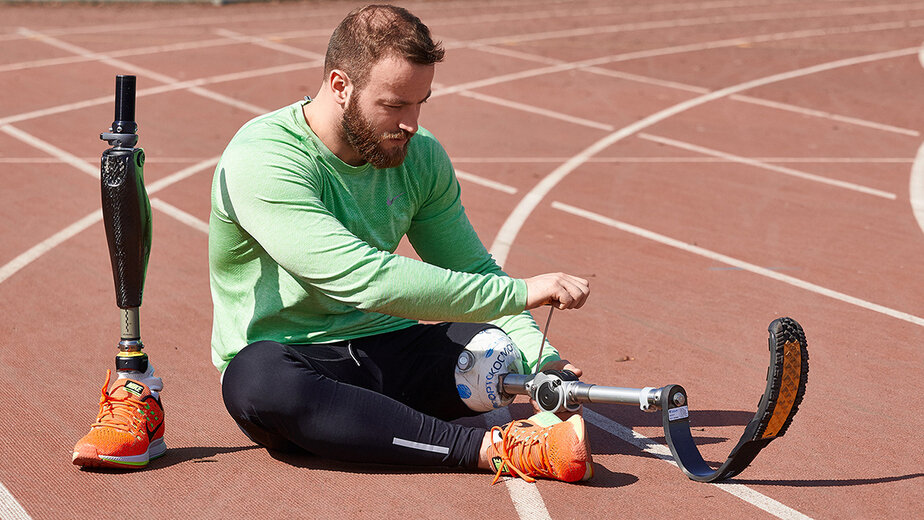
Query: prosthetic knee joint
{"points": [[487, 357]]}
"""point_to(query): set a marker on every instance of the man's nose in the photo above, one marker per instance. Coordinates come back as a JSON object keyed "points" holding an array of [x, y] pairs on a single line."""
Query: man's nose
{"points": [[409, 118]]}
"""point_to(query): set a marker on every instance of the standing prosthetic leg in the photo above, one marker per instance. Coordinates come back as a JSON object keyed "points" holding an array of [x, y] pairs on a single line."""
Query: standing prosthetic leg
{"points": [[127, 219], [128, 431]]}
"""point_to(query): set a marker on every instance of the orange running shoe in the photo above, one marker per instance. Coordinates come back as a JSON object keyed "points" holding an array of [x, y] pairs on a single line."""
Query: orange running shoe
{"points": [[543, 446], [129, 430]]}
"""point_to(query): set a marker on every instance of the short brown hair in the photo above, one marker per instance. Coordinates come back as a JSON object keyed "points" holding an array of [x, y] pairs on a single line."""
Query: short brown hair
{"points": [[370, 33]]}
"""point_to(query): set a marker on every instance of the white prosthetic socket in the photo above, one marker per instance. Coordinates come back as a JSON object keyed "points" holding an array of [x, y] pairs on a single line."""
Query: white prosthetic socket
{"points": [[486, 358]]}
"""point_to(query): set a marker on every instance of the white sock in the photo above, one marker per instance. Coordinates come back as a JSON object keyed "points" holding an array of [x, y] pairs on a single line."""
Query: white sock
{"points": [[155, 384]]}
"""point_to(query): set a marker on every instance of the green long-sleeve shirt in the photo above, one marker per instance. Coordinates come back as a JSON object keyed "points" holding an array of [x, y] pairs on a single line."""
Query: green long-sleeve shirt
{"points": [[301, 245]]}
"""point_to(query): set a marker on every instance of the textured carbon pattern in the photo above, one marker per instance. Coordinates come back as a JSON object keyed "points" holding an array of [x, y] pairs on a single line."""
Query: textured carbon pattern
{"points": [[127, 219], [786, 377]]}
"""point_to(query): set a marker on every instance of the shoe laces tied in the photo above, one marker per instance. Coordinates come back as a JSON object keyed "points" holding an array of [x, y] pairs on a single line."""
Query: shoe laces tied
{"points": [[120, 413], [520, 446]]}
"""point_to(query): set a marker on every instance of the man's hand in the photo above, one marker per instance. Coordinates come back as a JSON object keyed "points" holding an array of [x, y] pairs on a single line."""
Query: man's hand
{"points": [[559, 289]]}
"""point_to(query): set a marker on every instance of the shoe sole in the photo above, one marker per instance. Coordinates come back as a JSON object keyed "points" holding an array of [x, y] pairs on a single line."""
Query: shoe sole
{"points": [[89, 457]]}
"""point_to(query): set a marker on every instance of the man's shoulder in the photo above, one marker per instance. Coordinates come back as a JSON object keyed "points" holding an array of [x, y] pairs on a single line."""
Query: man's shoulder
{"points": [[266, 126], [269, 153], [273, 138]]}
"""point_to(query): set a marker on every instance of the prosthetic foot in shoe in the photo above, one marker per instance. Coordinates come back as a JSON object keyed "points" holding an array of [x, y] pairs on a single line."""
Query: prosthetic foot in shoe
{"points": [[129, 429]]}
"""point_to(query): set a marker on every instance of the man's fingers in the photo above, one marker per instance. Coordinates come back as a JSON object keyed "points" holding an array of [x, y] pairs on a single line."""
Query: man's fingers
{"points": [[559, 289], [574, 292]]}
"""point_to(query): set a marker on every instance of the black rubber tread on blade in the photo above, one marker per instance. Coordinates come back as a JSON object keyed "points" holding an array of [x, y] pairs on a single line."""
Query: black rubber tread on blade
{"points": [[786, 380]]}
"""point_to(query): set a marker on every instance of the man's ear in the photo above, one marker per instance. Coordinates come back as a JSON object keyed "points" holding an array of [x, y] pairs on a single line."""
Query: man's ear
{"points": [[340, 86]]}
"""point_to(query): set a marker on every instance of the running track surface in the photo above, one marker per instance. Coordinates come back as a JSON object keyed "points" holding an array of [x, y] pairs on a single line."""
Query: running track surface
{"points": [[708, 165]]}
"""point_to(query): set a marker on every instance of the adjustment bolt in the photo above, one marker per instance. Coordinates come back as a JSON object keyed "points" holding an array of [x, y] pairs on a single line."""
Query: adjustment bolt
{"points": [[679, 399]]}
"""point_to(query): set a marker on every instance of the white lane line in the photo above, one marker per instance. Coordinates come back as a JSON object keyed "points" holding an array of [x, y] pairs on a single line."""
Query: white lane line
{"points": [[100, 56], [523, 107], [36, 251], [787, 107], [678, 49], [676, 85], [267, 40], [67, 107], [129, 28], [827, 115], [230, 101], [268, 44], [662, 452], [141, 71], [511, 227], [153, 49], [160, 89], [532, 13], [758, 164], [57, 153], [173, 178], [916, 188], [535, 13], [251, 17], [10, 508], [740, 264], [488, 183], [526, 498], [688, 88], [916, 183], [675, 23], [180, 215]]}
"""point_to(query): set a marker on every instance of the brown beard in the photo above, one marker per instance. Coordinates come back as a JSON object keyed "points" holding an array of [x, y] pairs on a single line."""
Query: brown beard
{"points": [[361, 135]]}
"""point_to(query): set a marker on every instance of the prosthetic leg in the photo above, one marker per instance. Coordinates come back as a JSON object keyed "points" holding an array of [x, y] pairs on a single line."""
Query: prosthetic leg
{"points": [[128, 431], [127, 219], [787, 375]]}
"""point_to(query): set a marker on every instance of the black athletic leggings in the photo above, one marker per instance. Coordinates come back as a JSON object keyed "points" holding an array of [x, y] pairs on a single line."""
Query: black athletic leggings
{"points": [[383, 399]]}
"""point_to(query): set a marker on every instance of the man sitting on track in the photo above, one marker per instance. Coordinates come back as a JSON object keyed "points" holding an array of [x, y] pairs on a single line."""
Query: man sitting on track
{"points": [[315, 327]]}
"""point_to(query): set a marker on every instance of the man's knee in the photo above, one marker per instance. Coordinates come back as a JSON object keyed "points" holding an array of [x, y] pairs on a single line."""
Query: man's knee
{"points": [[486, 358], [250, 382], [250, 392]]}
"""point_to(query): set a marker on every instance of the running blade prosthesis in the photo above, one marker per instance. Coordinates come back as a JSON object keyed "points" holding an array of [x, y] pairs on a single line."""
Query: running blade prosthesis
{"points": [[786, 380], [787, 375]]}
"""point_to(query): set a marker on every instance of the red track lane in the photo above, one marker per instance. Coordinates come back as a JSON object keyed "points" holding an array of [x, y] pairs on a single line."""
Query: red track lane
{"points": [[709, 176]]}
